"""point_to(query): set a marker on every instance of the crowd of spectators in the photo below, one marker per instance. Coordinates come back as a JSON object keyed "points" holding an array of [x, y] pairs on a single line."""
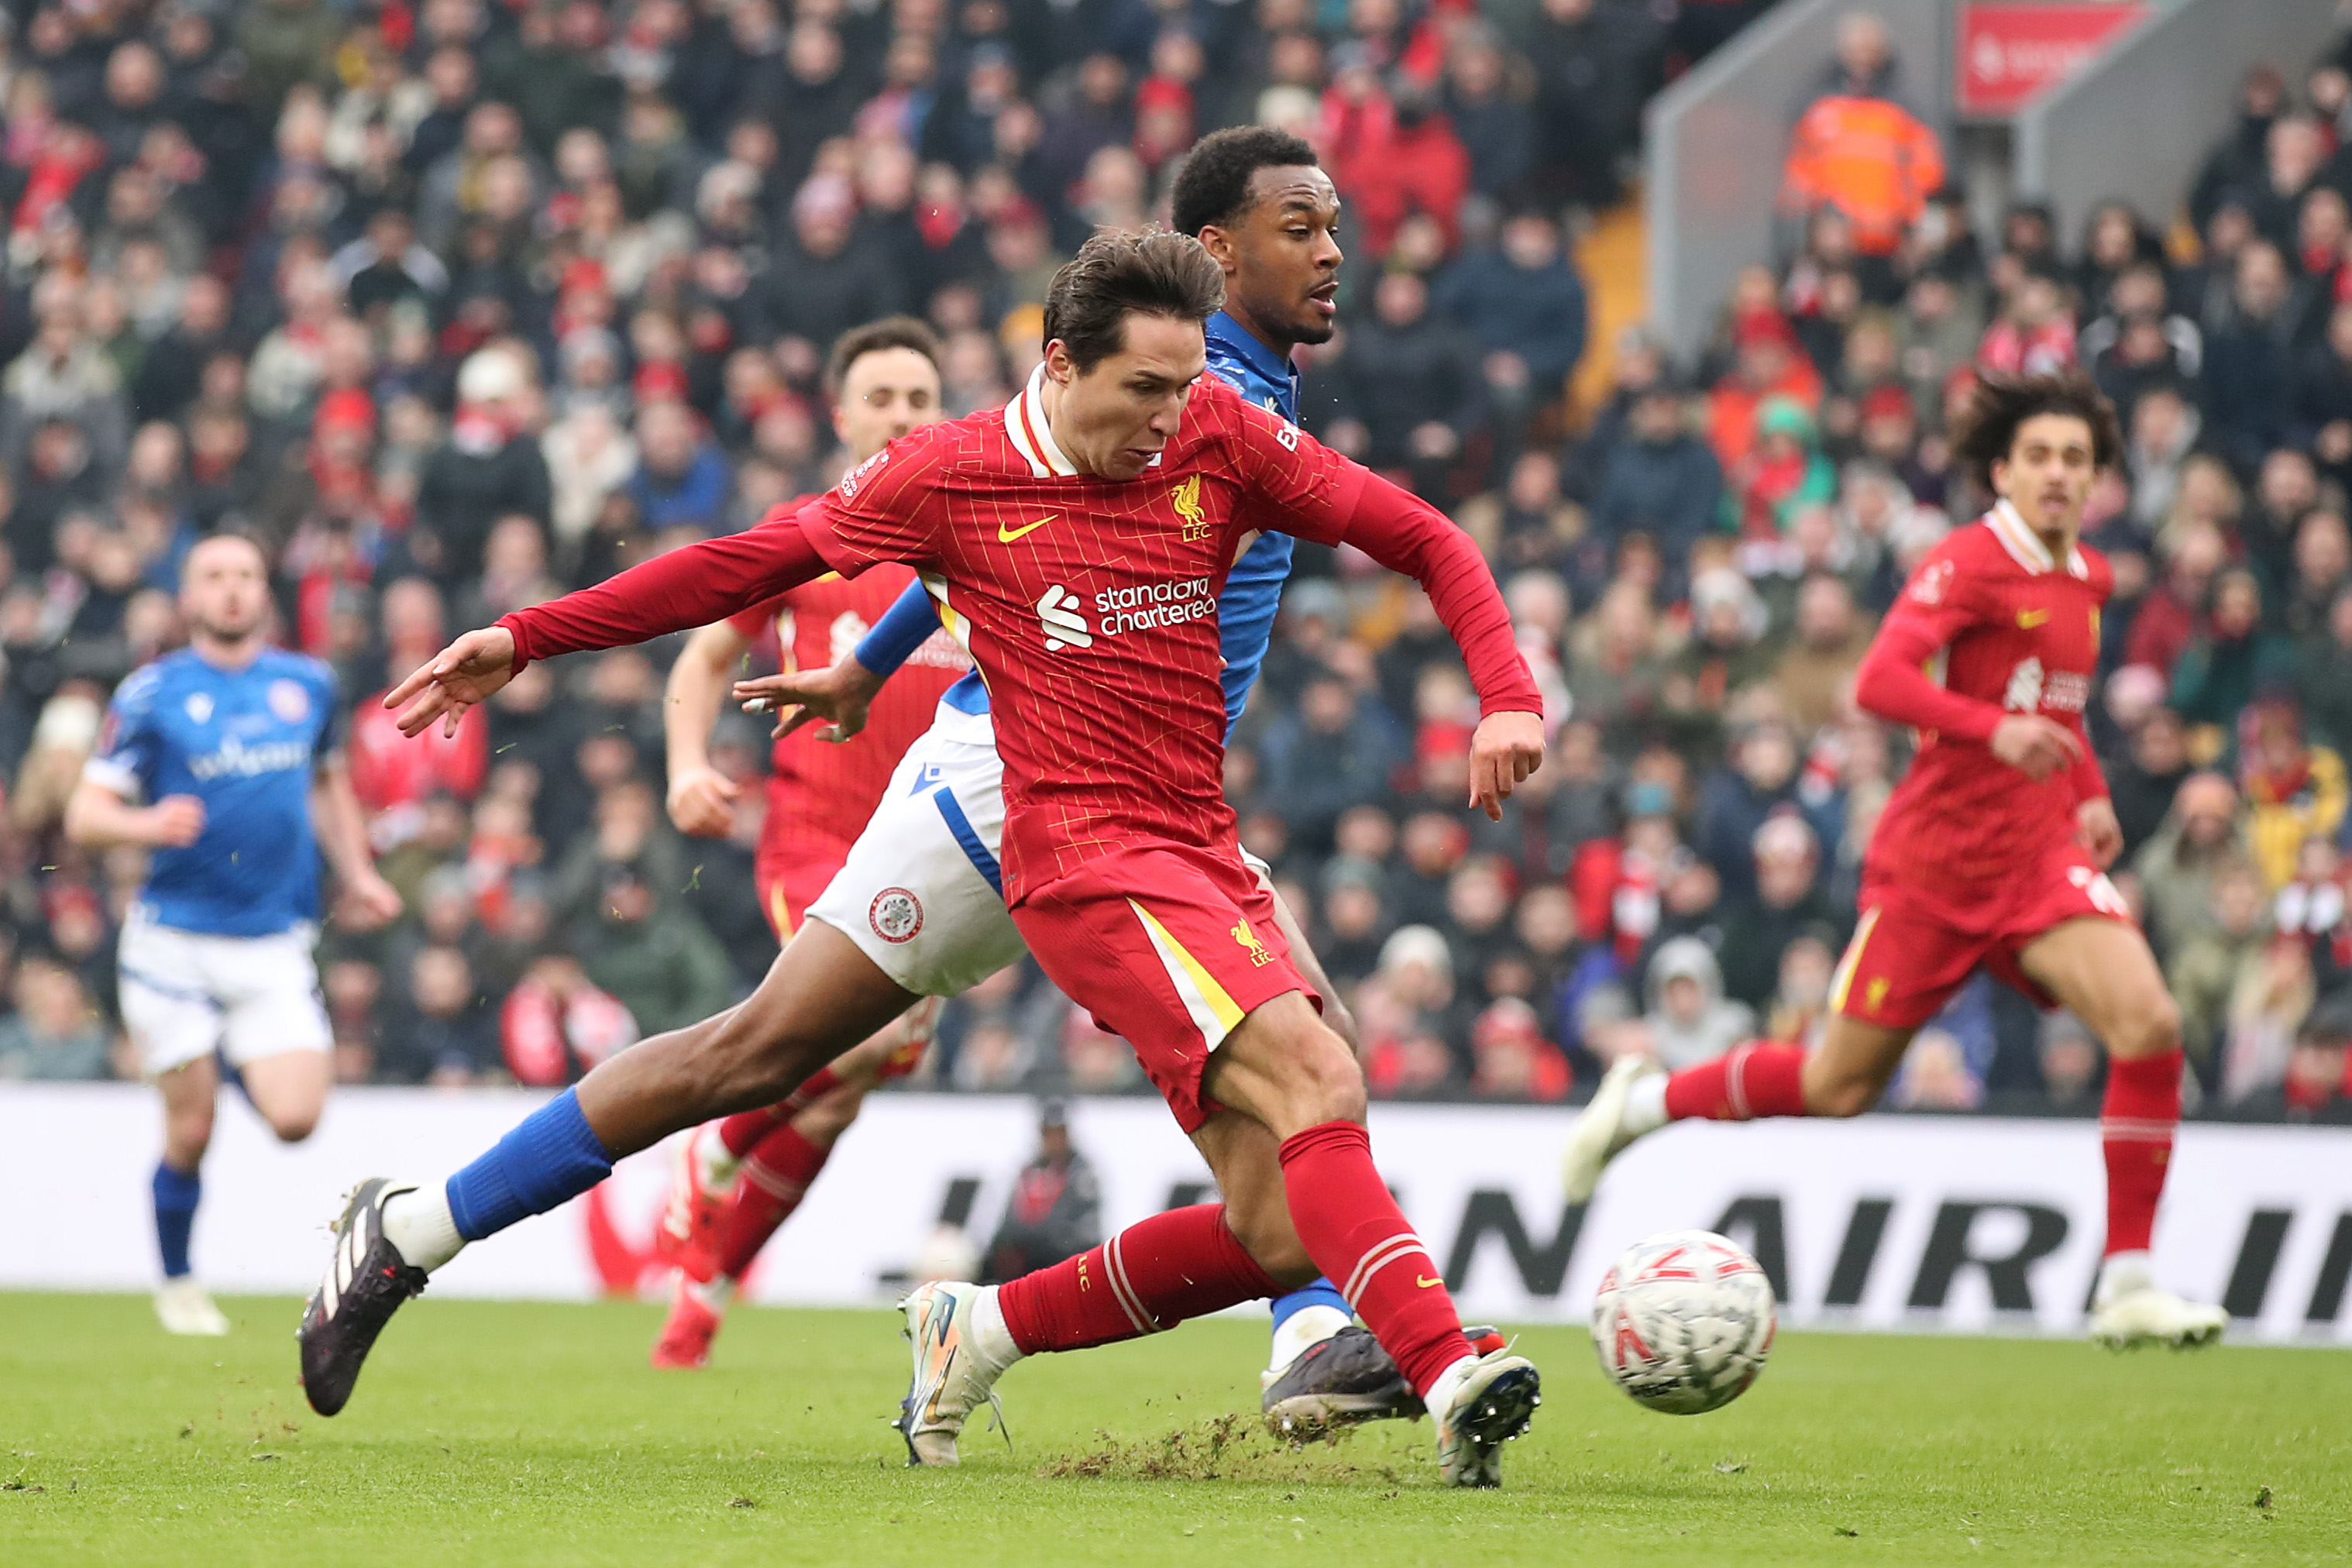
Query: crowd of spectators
{"points": [[457, 305]]}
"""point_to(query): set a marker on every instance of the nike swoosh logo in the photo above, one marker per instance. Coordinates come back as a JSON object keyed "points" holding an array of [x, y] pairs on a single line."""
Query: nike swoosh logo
{"points": [[1427, 1283], [1007, 535], [2029, 619]]}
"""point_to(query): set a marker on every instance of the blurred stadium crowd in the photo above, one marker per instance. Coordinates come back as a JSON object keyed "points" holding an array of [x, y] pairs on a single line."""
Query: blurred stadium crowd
{"points": [[461, 303]]}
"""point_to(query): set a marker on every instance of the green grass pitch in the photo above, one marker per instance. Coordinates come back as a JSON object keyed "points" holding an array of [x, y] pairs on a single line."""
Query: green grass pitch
{"points": [[510, 1433]]}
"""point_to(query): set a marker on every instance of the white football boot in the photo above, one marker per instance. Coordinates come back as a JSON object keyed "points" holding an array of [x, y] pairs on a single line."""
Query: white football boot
{"points": [[954, 1374], [1602, 1127], [185, 1307], [1491, 1403], [2131, 1310]]}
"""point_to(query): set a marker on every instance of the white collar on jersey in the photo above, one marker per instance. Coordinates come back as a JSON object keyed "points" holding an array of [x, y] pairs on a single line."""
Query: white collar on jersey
{"points": [[1024, 422], [2025, 546]]}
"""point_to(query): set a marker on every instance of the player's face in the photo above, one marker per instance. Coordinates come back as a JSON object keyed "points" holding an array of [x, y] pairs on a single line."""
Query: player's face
{"points": [[224, 590], [1115, 419], [2049, 471], [884, 395], [1282, 256]]}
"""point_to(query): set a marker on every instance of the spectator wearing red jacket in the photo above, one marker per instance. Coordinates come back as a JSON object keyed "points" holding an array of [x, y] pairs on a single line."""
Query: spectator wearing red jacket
{"points": [[392, 775], [555, 1026], [1391, 157]]}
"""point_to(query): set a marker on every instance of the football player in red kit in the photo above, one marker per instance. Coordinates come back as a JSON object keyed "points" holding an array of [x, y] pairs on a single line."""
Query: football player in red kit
{"points": [[750, 1171], [1078, 538], [1992, 851]]}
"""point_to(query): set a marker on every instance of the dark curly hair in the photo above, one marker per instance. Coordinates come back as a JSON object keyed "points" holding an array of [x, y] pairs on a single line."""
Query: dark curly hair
{"points": [[1984, 428], [1214, 186]]}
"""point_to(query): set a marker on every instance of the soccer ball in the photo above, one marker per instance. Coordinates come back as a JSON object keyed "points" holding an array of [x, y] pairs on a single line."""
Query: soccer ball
{"points": [[1684, 1322]]}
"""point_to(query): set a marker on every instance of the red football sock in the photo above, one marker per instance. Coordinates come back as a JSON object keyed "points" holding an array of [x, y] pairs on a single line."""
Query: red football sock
{"points": [[2136, 1121], [743, 1131], [776, 1176], [1358, 1236], [1152, 1276], [1759, 1079]]}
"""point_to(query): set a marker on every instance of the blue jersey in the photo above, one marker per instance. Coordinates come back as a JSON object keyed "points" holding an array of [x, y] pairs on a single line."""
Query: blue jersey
{"points": [[1253, 594], [247, 742]]}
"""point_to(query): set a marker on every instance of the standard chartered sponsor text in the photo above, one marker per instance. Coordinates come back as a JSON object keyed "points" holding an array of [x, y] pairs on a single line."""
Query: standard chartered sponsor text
{"points": [[1148, 604]]}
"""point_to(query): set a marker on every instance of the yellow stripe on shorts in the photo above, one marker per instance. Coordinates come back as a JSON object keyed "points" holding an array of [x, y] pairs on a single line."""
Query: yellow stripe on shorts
{"points": [[1214, 1011], [1843, 980]]}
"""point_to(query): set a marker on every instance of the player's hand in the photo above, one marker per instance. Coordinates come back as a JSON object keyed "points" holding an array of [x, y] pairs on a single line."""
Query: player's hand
{"points": [[839, 693], [176, 822], [1506, 748], [369, 902], [2035, 746], [2098, 832], [463, 673], [702, 803]]}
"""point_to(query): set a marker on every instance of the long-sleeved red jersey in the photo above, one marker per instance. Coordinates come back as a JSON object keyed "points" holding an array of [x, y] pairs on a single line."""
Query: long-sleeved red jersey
{"points": [[1090, 606], [1990, 626]]}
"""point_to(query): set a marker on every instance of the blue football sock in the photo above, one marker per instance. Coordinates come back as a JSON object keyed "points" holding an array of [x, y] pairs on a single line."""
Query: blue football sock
{"points": [[176, 1194], [1319, 1293], [551, 1155]]}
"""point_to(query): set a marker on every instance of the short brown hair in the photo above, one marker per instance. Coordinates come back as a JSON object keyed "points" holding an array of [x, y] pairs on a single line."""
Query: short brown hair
{"points": [[874, 338], [1985, 427], [1150, 272]]}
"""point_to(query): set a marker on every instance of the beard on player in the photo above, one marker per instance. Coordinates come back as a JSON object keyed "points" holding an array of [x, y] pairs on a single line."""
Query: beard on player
{"points": [[1255, 198], [224, 590], [1284, 283]]}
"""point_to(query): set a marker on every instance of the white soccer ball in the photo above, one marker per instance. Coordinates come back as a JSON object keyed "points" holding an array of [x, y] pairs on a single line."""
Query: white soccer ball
{"points": [[1684, 1322]]}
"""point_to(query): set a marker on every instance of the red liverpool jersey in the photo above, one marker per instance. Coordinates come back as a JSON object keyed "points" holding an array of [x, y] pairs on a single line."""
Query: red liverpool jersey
{"points": [[821, 793], [2002, 629], [1090, 606]]}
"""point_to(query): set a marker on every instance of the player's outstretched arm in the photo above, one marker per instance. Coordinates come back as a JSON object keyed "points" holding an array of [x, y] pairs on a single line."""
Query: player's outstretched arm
{"points": [[704, 582], [1407, 534], [843, 693], [468, 671]]}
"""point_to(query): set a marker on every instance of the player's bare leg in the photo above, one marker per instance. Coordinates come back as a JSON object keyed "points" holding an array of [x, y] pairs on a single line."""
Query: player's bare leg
{"points": [[1845, 1076], [1301, 1194], [2102, 969], [725, 1204], [1849, 1072], [819, 997], [290, 1090], [181, 1304]]}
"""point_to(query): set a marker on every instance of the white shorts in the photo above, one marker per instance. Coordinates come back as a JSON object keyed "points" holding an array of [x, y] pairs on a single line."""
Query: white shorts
{"points": [[185, 994], [921, 893]]}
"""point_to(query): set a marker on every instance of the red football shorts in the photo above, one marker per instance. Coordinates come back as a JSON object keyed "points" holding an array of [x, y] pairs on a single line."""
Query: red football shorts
{"points": [[1169, 946], [1914, 948], [790, 874]]}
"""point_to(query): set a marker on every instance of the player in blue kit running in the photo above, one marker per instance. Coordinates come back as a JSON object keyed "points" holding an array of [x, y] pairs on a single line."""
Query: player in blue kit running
{"points": [[234, 748], [918, 909]]}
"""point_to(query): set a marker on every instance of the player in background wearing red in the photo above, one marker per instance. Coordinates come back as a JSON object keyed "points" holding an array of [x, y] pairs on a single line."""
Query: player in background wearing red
{"points": [[1992, 850], [884, 379], [1077, 539]]}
